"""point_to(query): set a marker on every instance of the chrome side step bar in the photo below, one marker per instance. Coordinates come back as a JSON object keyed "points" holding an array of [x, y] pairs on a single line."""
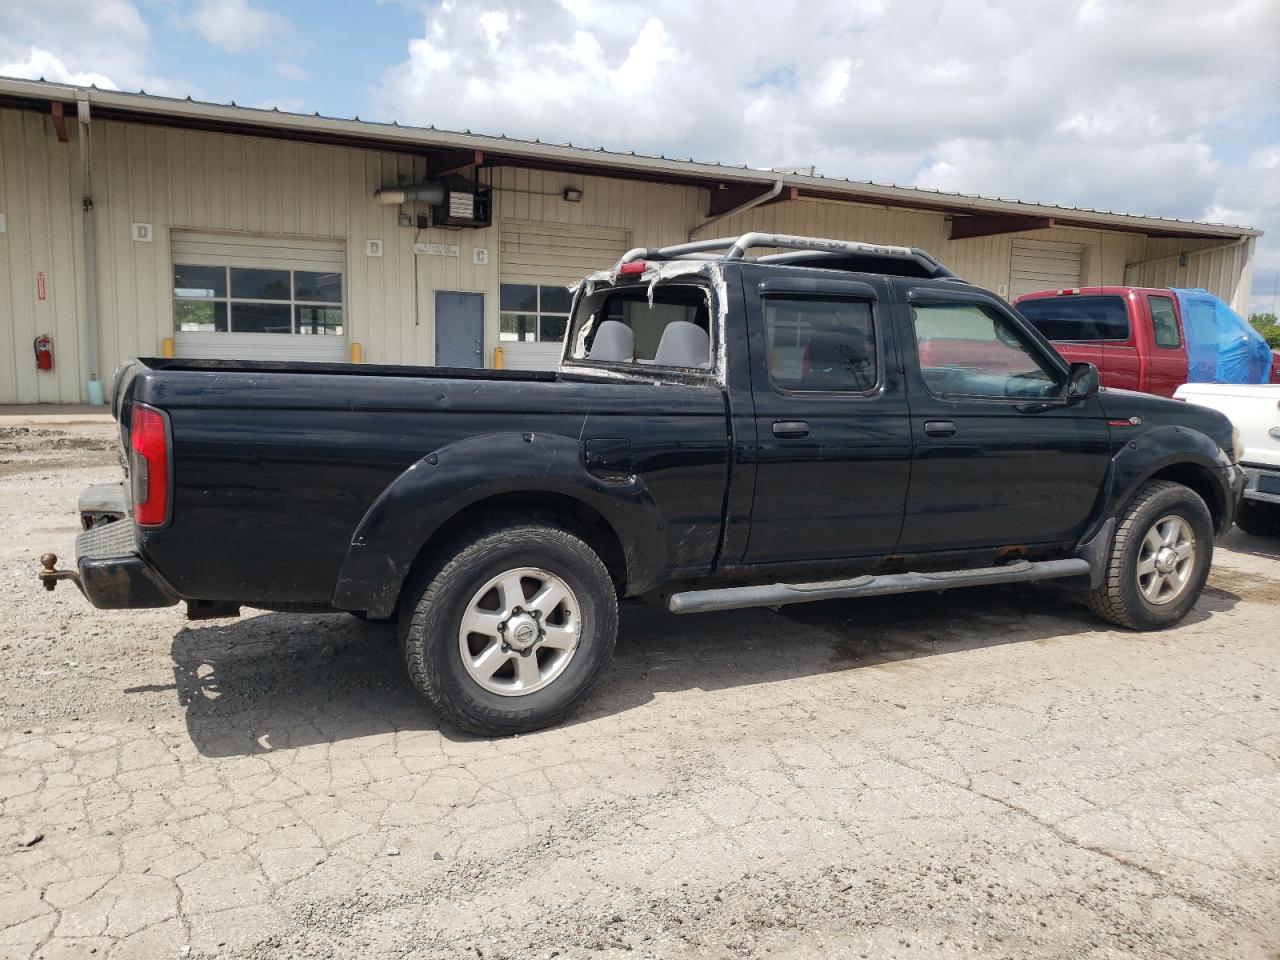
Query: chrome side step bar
{"points": [[776, 594]]}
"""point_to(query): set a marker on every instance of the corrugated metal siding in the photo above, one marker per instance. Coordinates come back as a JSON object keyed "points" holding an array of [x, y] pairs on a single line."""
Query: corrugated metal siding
{"points": [[186, 179], [1225, 271], [178, 179], [191, 180], [40, 199], [985, 261]]}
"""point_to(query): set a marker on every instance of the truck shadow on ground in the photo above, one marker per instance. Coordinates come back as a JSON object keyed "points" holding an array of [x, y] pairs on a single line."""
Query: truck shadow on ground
{"points": [[273, 681]]}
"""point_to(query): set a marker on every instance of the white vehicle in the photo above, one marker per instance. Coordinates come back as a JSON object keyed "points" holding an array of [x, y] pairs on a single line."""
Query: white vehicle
{"points": [[1254, 410]]}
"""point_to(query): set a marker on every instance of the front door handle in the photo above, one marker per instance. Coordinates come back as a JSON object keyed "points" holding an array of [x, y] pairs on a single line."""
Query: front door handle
{"points": [[939, 428], [790, 428]]}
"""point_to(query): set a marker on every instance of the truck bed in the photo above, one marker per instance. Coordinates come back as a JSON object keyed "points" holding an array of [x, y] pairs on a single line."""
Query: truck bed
{"points": [[276, 464]]}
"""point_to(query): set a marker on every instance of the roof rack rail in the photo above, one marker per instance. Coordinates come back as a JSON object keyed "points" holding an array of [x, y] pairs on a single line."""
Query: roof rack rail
{"points": [[803, 250]]}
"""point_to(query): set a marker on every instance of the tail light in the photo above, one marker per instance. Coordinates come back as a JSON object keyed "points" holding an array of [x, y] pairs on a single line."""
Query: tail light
{"points": [[149, 465]]}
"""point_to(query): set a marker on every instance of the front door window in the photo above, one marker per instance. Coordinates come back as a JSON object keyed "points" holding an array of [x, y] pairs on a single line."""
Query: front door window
{"points": [[968, 350]]}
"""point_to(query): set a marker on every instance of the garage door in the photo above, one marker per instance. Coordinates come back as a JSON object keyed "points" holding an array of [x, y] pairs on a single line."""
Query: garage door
{"points": [[258, 298], [1043, 265], [538, 262]]}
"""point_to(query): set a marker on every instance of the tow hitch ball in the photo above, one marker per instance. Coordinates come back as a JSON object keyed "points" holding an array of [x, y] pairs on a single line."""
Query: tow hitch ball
{"points": [[50, 575]]}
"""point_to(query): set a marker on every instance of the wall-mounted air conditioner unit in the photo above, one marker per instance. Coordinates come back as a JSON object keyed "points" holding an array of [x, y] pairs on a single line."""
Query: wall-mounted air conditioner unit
{"points": [[466, 203]]}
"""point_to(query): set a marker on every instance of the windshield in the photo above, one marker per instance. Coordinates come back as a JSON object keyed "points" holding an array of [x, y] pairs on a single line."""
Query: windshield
{"points": [[670, 328], [1076, 318]]}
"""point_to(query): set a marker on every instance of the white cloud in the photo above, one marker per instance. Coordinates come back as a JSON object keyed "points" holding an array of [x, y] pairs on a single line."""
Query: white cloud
{"points": [[1252, 195], [495, 24], [237, 25], [1047, 100], [41, 64], [78, 41]]}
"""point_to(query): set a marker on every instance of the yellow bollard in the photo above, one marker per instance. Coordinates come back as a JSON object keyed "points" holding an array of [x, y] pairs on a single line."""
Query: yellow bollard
{"points": [[166, 347], [497, 358], [357, 353]]}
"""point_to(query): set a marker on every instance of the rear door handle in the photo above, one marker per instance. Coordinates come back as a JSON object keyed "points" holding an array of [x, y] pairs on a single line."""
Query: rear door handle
{"points": [[790, 428], [939, 428]]}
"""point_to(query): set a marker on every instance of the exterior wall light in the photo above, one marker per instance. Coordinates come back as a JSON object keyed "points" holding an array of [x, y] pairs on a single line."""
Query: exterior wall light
{"points": [[573, 194]]}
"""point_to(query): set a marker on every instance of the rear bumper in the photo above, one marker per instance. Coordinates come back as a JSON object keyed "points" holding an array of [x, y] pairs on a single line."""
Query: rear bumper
{"points": [[1262, 483], [113, 573]]}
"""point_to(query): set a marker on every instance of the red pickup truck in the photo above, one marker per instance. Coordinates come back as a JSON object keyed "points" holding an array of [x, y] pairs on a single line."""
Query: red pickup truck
{"points": [[1135, 336]]}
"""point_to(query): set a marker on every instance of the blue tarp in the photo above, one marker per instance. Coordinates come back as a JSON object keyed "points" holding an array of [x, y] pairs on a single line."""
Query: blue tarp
{"points": [[1221, 346]]}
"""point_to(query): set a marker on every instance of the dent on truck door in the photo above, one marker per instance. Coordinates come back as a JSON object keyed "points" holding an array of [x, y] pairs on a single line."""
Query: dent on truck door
{"points": [[833, 436], [999, 457]]}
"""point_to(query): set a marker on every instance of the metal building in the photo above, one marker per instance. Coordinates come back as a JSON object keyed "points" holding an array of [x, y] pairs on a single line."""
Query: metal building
{"points": [[132, 225]]}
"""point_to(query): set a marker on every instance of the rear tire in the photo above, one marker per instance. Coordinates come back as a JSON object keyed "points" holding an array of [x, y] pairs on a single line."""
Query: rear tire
{"points": [[1259, 519], [513, 630], [1159, 560]]}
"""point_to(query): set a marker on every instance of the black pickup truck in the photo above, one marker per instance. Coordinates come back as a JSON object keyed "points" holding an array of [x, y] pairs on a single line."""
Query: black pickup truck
{"points": [[832, 419]]}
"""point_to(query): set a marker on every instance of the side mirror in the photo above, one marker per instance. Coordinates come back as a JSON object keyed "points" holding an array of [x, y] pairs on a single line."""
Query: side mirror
{"points": [[1082, 383]]}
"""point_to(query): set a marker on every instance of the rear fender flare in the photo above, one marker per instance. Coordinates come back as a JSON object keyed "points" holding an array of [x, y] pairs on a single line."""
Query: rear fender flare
{"points": [[434, 489]]}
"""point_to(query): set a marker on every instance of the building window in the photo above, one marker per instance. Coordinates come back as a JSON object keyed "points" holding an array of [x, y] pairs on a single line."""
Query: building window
{"points": [[256, 300], [531, 313]]}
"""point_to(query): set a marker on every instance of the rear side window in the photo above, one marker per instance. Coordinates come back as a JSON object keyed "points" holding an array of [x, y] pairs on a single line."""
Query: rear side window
{"points": [[670, 328], [1078, 318], [821, 345], [1164, 319]]}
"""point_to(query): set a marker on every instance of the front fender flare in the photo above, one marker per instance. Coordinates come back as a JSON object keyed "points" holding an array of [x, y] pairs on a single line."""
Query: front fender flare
{"points": [[434, 489], [1156, 449]]}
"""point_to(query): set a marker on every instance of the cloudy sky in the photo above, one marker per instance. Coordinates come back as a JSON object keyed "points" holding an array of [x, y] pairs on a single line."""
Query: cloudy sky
{"points": [[1145, 106]]}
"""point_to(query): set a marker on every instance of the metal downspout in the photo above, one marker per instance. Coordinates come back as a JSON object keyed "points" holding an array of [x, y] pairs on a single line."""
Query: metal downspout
{"points": [[94, 386], [774, 192]]}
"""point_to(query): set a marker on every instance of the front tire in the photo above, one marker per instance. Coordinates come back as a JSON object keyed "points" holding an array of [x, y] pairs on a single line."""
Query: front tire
{"points": [[513, 630], [1159, 560]]}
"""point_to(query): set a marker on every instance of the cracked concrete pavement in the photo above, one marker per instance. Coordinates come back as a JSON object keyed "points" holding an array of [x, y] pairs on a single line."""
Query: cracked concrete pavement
{"points": [[982, 773]]}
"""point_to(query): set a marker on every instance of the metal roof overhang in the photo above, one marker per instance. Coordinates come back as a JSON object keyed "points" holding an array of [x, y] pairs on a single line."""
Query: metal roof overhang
{"points": [[437, 145]]}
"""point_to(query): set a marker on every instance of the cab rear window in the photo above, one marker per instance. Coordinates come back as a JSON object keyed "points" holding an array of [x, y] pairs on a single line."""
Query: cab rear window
{"points": [[1074, 318], [668, 326]]}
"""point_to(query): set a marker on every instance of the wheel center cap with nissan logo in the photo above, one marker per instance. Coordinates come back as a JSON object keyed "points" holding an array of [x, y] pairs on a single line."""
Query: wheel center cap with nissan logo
{"points": [[523, 633]]}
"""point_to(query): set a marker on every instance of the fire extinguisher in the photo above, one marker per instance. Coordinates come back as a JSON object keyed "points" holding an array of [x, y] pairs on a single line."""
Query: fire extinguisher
{"points": [[44, 352]]}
